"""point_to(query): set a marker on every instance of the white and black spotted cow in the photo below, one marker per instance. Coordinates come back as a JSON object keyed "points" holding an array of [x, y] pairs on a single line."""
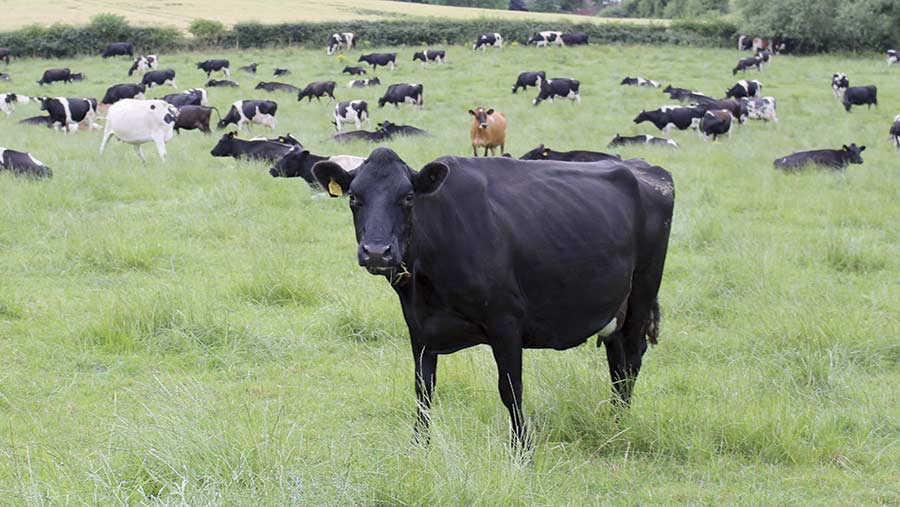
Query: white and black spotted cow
{"points": [[639, 81], [558, 87], [136, 122], [67, 113], [744, 88], [680, 117], [210, 66], [341, 41], [23, 164], [430, 55], [755, 108], [893, 56], [403, 93], [356, 111], [261, 112], [142, 64], [159, 78], [839, 84], [545, 38], [895, 132], [8, 102], [488, 39], [119, 92]]}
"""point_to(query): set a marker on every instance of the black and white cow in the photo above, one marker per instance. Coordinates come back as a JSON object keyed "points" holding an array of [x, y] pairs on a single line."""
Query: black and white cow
{"points": [[488, 39], [4, 55], [137, 122], [680, 117], [23, 164], [210, 66], [193, 117], [281, 72], [221, 83], [317, 89], [430, 55], [38, 121], [754, 108], [745, 43], [403, 93], [575, 38], [356, 111], [715, 123], [363, 83], [251, 149], [55, 75], [641, 139], [558, 87], [893, 56], [639, 81], [545, 38], [353, 71], [8, 102], [860, 95], [839, 84], [261, 112], [747, 63], [527, 79], [384, 59], [118, 49], [765, 55], [118, 92], [249, 69], [895, 132], [159, 78], [685, 95], [189, 97], [744, 88], [272, 86], [67, 113], [834, 159], [544, 153], [143, 63], [341, 41], [298, 163]]}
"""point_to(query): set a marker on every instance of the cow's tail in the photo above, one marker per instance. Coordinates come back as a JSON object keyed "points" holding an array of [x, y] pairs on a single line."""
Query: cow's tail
{"points": [[653, 324], [217, 112]]}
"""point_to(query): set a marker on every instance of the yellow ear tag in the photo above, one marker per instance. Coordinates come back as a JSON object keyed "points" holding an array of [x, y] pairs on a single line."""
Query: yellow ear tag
{"points": [[335, 189]]}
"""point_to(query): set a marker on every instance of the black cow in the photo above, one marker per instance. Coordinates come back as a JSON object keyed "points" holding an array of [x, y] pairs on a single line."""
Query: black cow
{"points": [[685, 95], [43, 121], [264, 149], [194, 117], [54, 75], [317, 89], [747, 63], [745, 43], [272, 86], [639, 81], [557, 87], [859, 95], [544, 153], [118, 49], [430, 55], [249, 69], [353, 71], [715, 123], [251, 111], [118, 92], [362, 83], [67, 113], [383, 59], [835, 159], [298, 163], [734, 106], [210, 66], [23, 164], [680, 117], [159, 78], [281, 72], [402, 93], [4, 55], [574, 38], [744, 88], [488, 39], [473, 262], [895, 132], [641, 139], [212, 83], [527, 79], [192, 97]]}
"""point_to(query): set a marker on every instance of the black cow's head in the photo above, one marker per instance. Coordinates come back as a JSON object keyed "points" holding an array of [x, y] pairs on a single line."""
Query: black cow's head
{"points": [[202, 65], [225, 146], [45, 103], [481, 116], [419, 56], [374, 81], [853, 153], [291, 164], [539, 153], [382, 192], [644, 116]]}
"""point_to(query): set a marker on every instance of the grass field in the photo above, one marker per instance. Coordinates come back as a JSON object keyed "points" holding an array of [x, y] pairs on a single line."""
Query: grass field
{"points": [[198, 333], [180, 13]]}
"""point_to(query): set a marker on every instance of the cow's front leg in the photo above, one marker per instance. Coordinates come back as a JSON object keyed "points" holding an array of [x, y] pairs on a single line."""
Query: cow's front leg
{"points": [[508, 355], [426, 377]]}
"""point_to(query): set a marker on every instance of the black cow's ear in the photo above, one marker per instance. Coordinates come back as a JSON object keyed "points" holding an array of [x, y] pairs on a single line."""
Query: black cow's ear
{"points": [[332, 177], [845, 148], [490, 112], [471, 112], [862, 148], [430, 178]]}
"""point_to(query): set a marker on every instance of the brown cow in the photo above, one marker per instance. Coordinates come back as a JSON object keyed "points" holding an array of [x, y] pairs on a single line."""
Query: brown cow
{"points": [[488, 130]]}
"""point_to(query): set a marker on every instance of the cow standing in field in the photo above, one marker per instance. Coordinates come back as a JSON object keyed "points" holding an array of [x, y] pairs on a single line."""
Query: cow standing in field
{"points": [[23, 164], [893, 56], [403, 93], [388, 60], [488, 39], [860, 95], [716, 123], [544, 153], [118, 92], [356, 111], [895, 132], [67, 113], [527, 79], [193, 117], [142, 64], [118, 49], [4, 55], [488, 130], [261, 112], [680, 117], [55, 75], [159, 78], [430, 55], [341, 41], [210, 66], [744, 88], [136, 122], [758, 109], [545, 38], [839, 84], [834, 159], [558, 87], [574, 38], [317, 89], [747, 63]]}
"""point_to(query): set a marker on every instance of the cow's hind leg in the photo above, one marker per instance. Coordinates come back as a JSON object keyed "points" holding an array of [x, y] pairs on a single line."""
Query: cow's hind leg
{"points": [[140, 152]]}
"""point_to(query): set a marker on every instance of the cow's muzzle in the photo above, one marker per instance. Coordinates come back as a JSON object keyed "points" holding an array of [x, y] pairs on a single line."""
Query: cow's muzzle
{"points": [[483, 126], [378, 257]]}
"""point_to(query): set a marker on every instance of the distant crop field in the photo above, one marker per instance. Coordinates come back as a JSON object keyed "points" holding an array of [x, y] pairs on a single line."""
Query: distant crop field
{"points": [[198, 333], [180, 13]]}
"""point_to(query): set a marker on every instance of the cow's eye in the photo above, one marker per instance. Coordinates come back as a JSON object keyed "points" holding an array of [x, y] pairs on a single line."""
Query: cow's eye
{"points": [[408, 199], [353, 200]]}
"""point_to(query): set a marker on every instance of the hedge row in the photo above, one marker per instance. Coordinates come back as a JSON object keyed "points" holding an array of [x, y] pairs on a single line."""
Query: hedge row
{"points": [[57, 41]]}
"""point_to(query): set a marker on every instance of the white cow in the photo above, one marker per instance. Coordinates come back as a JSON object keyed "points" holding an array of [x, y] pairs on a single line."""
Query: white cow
{"points": [[137, 122]]}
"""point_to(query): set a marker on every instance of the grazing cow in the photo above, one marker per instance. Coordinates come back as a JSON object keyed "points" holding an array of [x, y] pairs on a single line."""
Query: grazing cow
{"points": [[859, 95], [353, 71], [317, 90], [23, 164], [639, 81], [747, 63], [4, 55], [488, 130], [765, 55], [190, 97], [685, 95], [118, 92], [299, 162], [575, 38], [362, 83], [221, 83], [488, 39], [758, 109], [527, 79], [356, 111], [545, 38], [508, 271], [893, 56], [118, 49], [253, 149], [159, 78], [281, 72], [143, 63], [403, 93], [192, 117], [839, 84], [136, 122], [249, 69], [67, 113], [745, 43], [895, 132], [641, 139], [716, 123], [544, 153], [680, 117], [733, 106], [384, 59], [561, 87], [77, 76], [834, 159], [261, 112], [54, 75], [341, 41], [431, 55], [744, 88], [210, 66], [8, 102], [276, 87]]}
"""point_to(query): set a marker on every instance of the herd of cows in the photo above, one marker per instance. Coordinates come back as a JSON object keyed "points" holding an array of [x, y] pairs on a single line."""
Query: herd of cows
{"points": [[582, 255]]}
